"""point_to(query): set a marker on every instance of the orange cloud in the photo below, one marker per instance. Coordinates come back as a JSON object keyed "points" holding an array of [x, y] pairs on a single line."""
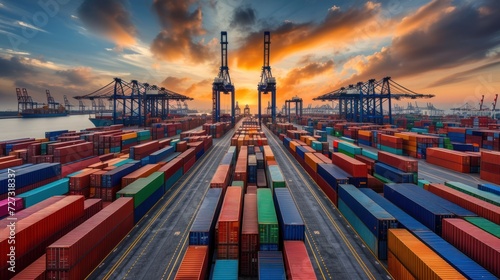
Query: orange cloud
{"points": [[174, 83], [290, 37]]}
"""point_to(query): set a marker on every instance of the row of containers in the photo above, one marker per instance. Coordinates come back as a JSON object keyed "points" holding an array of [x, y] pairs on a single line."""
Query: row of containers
{"points": [[55, 222], [424, 231], [66, 146], [253, 229]]}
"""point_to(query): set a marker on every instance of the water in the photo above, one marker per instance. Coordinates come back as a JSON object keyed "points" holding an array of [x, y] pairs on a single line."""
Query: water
{"points": [[36, 128]]}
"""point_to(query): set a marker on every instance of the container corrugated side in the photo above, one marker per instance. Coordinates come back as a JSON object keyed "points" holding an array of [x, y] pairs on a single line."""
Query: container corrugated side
{"points": [[291, 223], [35, 271], [249, 237], [229, 223], [141, 189], [485, 225], [419, 259], [203, 227], [39, 194], [397, 269], [267, 219], [486, 196], [427, 213], [194, 265]]}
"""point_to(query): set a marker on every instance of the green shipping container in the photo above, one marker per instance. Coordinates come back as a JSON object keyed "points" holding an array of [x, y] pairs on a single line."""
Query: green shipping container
{"points": [[391, 150], [317, 146], [485, 225], [382, 178], [266, 217], [275, 177], [39, 194], [142, 188], [349, 149], [238, 184], [486, 196], [421, 183]]}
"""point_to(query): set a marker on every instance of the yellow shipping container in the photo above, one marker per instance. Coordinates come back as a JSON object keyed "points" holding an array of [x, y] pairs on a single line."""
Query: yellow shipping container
{"points": [[128, 136], [420, 260], [293, 145], [365, 133]]}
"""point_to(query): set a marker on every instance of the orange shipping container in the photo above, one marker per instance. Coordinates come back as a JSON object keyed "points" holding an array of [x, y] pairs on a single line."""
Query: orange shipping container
{"points": [[419, 259], [194, 264], [142, 172], [312, 161], [230, 217], [397, 269]]}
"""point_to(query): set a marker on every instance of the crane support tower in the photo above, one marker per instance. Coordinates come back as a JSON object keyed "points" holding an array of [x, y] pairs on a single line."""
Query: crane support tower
{"points": [[222, 83], [267, 82], [298, 107], [364, 102]]}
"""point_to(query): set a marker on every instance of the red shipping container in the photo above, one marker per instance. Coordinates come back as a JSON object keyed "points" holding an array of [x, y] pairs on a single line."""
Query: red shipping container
{"points": [[230, 217], [51, 147], [399, 162], [448, 155], [35, 271], [350, 165], [35, 230], [142, 172], [240, 170], [96, 178], [250, 227], [194, 265], [463, 168], [7, 158], [478, 206], [104, 230], [91, 207], [33, 209], [109, 194], [490, 157], [81, 181], [375, 184], [328, 190], [171, 167], [189, 164], [479, 245], [11, 163], [221, 177], [252, 188], [297, 262]]}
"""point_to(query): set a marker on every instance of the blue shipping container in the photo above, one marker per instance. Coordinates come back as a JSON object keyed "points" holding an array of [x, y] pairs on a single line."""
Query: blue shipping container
{"points": [[291, 223], [429, 214], [489, 188], [225, 270], [271, 266], [268, 247], [31, 175], [332, 174], [301, 150], [376, 218], [39, 194], [114, 177], [161, 154], [393, 174], [203, 226]]}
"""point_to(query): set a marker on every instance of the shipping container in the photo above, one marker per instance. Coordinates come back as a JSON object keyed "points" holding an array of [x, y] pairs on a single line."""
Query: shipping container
{"points": [[113, 177], [397, 269], [271, 266], [489, 188], [267, 219], [485, 225], [333, 175], [142, 172], [71, 256], [35, 271], [221, 177], [419, 259], [30, 175], [203, 227], [479, 245], [229, 223], [297, 262], [16, 204], [350, 165], [194, 265], [429, 214], [225, 270], [39, 194], [249, 237], [486, 196], [478, 206], [275, 177], [393, 174], [291, 223], [141, 189], [405, 164]]}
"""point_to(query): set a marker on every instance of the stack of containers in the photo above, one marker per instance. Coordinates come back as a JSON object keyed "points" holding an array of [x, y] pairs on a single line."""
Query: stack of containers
{"points": [[111, 180], [38, 230], [229, 223], [357, 170], [423, 263], [79, 184], [427, 212], [52, 135], [203, 227], [275, 177], [225, 270], [486, 225], [268, 222], [396, 169], [365, 137], [71, 257], [370, 221], [35, 271], [347, 148], [249, 237], [328, 179], [489, 188], [140, 151], [474, 204], [252, 169], [161, 154], [173, 171], [486, 196], [490, 166], [188, 158], [142, 172], [392, 144], [240, 170], [145, 192], [476, 243], [31, 176], [457, 161]]}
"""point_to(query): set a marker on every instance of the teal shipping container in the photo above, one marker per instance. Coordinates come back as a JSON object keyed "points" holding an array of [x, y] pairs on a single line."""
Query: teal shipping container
{"points": [[39, 194], [225, 270]]}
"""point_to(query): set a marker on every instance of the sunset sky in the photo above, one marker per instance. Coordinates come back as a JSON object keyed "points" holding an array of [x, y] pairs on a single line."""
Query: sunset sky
{"points": [[73, 47]]}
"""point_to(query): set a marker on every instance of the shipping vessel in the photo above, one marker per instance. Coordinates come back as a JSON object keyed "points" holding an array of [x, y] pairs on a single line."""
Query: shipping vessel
{"points": [[44, 113]]}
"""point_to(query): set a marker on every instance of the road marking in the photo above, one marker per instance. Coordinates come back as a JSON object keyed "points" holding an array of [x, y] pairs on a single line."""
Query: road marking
{"points": [[177, 233]]}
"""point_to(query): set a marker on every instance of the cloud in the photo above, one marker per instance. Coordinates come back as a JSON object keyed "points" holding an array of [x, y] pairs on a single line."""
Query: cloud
{"points": [[181, 26], [174, 83], [77, 76], [297, 75], [15, 67], [243, 16], [289, 37], [201, 90], [109, 18], [464, 75], [448, 42]]}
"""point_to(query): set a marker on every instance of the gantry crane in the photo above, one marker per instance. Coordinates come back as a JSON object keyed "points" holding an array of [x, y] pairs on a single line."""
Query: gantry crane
{"points": [[67, 104], [51, 103], [267, 82], [481, 103], [222, 83], [81, 105]]}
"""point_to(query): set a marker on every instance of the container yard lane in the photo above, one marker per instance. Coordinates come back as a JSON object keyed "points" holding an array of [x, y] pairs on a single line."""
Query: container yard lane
{"points": [[335, 249], [154, 248]]}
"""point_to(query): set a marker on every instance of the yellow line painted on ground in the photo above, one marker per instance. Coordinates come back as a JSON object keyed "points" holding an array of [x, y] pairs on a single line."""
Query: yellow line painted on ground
{"points": [[342, 235], [162, 209]]}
